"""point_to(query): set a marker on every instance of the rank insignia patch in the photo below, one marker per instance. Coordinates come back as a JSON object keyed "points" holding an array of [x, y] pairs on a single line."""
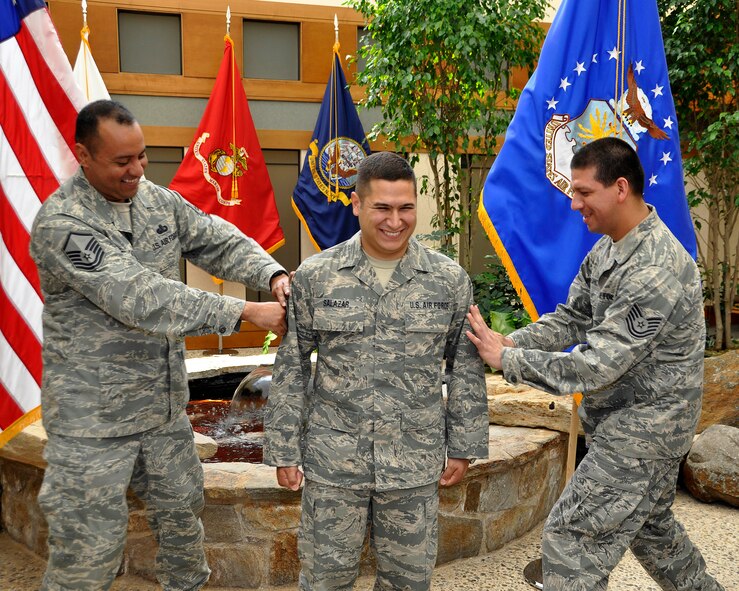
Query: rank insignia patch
{"points": [[639, 326], [84, 251]]}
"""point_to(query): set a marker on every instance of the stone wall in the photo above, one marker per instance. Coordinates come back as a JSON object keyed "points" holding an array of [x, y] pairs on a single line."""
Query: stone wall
{"points": [[251, 523]]}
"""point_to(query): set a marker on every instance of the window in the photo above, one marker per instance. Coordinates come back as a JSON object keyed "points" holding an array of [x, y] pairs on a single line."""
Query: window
{"points": [[150, 43], [363, 38], [163, 164], [271, 50]]}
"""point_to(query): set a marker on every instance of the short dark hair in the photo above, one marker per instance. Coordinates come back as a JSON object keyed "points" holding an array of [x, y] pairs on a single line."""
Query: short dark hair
{"points": [[612, 158], [86, 130], [384, 166]]}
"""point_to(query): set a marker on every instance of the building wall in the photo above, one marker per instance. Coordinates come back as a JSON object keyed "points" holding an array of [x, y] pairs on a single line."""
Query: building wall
{"points": [[170, 106]]}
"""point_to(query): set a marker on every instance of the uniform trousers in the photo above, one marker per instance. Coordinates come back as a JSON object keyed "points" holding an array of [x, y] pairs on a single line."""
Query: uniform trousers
{"points": [[83, 497], [403, 534], [613, 503]]}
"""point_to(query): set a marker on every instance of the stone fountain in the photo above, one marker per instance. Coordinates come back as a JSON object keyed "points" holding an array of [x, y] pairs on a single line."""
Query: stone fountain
{"points": [[251, 523]]}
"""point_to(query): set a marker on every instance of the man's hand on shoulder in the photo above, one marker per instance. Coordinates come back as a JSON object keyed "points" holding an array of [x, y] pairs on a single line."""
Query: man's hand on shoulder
{"points": [[489, 343], [269, 315], [280, 287]]}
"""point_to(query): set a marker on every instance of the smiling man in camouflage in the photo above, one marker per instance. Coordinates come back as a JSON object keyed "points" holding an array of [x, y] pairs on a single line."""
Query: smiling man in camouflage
{"points": [[374, 437], [108, 246], [634, 315]]}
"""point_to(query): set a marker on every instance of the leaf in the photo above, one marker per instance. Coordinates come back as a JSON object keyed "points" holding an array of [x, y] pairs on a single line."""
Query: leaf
{"points": [[268, 338]]}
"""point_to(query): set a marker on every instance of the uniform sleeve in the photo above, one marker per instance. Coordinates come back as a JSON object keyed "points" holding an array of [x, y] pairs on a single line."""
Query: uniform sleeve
{"points": [[630, 329], [222, 249], [283, 416], [467, 408], [567, 325], [71, 253]]}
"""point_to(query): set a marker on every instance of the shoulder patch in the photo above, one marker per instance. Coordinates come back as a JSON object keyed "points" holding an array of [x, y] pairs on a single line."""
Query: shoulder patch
{"points": [[639, 325], [83, 251]]}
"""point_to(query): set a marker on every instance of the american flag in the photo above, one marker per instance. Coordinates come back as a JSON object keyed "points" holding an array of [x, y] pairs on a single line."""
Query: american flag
{"points": [[39, 101]]}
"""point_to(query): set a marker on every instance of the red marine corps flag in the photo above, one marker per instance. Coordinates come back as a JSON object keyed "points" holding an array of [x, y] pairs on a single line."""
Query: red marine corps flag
{"points": [[224, 172]]}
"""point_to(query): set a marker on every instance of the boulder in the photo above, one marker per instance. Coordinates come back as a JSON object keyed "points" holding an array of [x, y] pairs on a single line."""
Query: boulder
{"points": [[516, 405], [721, 391], [711, 471]]}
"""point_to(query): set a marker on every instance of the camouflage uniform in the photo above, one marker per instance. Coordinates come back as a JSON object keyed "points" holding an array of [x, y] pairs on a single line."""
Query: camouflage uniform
{"points": [[114, 385], [371, 436], [637, 308]]}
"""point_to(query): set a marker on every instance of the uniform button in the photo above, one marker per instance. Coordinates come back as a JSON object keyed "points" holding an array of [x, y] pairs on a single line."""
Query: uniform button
{"points": [[222, 329]]}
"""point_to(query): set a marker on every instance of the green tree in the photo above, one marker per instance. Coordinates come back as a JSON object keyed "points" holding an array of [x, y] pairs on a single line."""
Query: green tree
{"points": [[702, 53], [440, 71]]}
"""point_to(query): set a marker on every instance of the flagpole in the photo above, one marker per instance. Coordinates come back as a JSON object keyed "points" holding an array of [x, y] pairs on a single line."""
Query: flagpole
{"points": [[335, 99], [234, 186]]}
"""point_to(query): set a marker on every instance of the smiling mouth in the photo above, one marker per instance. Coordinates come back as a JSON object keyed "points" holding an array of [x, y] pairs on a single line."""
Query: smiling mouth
{"points": [[390, 234]]}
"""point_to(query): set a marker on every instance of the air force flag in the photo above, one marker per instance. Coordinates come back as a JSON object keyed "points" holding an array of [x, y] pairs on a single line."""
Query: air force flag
{"points": [[602, 72]]}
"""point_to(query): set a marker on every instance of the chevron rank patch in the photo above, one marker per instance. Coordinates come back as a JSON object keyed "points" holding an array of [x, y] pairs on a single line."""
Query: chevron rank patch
{"points": [[641, 326], [83, 251]]}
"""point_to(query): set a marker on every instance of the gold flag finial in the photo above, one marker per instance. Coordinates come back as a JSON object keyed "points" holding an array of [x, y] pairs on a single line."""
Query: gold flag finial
{"points": [[336, 34]]}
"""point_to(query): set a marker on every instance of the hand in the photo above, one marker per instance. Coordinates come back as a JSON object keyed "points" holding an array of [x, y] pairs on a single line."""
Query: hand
{"points": [[289, 477], [280, 287], [488, 342], [269, 315], [455, 470]]}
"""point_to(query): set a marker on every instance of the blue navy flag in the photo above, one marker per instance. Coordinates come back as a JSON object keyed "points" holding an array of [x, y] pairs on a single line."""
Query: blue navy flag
{"points": [[601, 72], [322, 197]]}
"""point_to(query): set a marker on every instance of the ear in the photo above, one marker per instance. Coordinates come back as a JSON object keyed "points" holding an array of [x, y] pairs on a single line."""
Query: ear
{"points": [[624, 189], [355, 203], [83, 154]]}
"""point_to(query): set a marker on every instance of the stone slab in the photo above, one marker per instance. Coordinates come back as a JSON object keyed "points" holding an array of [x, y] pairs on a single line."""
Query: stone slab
{"points": [[519, 405]]}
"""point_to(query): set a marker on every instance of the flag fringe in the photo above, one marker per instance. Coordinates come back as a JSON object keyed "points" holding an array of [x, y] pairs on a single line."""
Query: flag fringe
{"points": [[30, 417], [487, 225], [278, 244]]}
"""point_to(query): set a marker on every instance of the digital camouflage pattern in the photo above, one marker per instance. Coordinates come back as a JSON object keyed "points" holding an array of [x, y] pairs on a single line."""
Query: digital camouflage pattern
{"points": [[373, 433], [333, 528], [83, 497], [114, 386], [376, 418], [636, 310], [612, 503], [115, 311]]}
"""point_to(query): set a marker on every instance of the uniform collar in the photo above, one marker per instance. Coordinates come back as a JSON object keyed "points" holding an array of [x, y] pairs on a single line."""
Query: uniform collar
{"points": [[92, 199], [414, 261], [624, 248]]}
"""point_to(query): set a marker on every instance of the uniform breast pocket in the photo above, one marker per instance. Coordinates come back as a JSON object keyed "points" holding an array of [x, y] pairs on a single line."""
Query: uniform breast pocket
{"points": [[425, 335], [339, 329]]}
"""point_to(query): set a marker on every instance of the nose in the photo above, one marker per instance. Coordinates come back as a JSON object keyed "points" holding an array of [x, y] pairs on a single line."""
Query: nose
{"points": [[393, 219], [138, 166], [575, 203]]}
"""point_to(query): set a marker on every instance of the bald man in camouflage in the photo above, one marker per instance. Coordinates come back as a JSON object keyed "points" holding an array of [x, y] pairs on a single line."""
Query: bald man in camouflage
{"points": [[384, 313], [108, 246], [635, 316]]}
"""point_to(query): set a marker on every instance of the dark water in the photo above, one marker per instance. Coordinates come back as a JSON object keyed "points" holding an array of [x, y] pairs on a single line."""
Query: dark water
{"points": [[239, 433]]}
